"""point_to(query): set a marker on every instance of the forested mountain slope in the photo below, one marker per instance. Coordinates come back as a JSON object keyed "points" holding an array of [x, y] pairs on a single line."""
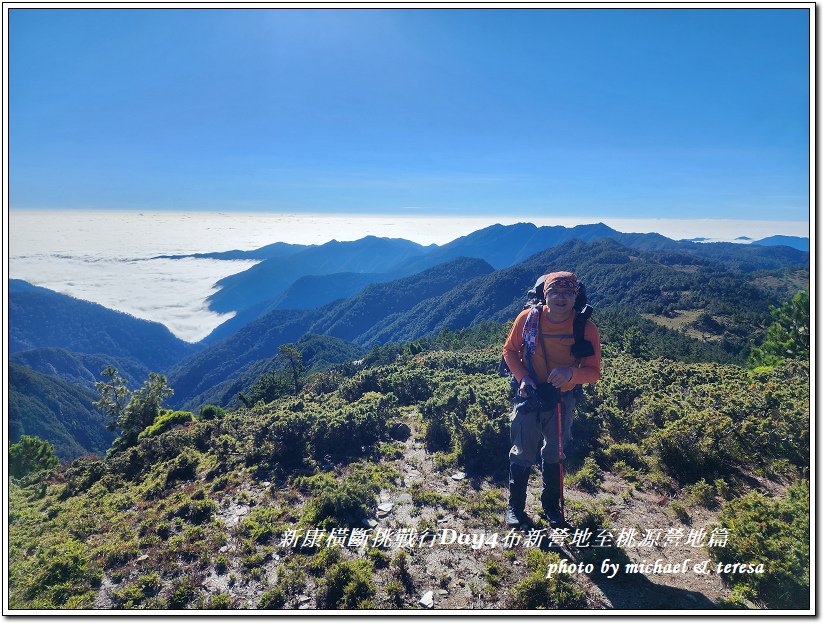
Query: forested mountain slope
{"points": [[57, 411], [688, 306], [317, 353], [280, 281], [43, 318], [305, 293], [344, 319], [257, 341], [80, 369], [656, 282], [268, 279]]}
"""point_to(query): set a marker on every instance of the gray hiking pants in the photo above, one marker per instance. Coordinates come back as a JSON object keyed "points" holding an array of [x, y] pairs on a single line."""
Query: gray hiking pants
{"points": [[530, 430]]}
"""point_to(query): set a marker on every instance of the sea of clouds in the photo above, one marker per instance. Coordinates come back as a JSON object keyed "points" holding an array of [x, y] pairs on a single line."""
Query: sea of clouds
{"points": [[109, 257]]}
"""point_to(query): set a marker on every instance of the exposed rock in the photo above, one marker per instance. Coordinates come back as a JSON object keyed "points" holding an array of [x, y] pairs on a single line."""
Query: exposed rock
{"points": [[427, 601], [103, 600], [232, 514]]}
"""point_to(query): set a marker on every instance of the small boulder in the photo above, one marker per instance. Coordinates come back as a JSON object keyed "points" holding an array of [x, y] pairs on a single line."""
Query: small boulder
{"points": [[399, 431]]}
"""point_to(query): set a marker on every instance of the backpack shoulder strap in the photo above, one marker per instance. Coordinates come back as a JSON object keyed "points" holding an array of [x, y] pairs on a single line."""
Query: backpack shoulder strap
{"points": [[532, 332], [581, 348]]}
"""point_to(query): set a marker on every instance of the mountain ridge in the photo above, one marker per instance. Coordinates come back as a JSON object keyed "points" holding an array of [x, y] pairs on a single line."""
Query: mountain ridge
{"points": [[80, 369], [658, 283], [795, 242], [269, 278], [260, 338], [499, 245], [41, 318]]}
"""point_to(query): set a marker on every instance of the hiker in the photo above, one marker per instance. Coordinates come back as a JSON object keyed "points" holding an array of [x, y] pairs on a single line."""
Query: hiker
{"points": [[539, 354]]}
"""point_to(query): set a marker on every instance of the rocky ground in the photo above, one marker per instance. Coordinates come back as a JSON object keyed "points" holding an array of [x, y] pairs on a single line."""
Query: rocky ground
{"points": [[427, 500]]}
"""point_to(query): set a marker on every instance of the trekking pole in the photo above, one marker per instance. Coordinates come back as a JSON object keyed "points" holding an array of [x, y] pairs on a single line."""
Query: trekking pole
{"points": [[561, 459]]}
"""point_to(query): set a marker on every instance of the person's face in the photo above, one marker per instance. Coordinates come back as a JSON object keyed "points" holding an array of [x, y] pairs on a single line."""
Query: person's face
{"points": [[560, 299]]}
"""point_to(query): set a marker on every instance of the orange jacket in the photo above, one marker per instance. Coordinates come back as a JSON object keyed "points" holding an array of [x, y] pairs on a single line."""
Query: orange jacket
{"points": [[557, 340]]}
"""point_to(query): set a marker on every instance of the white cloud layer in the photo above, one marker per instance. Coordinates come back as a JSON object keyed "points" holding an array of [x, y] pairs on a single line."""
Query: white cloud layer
{"points": [[105, 257]]}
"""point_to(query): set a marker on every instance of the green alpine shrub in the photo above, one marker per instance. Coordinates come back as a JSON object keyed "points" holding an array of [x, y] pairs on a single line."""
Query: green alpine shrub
{"points": [[775, 532], [31, 454], [347, 585]]}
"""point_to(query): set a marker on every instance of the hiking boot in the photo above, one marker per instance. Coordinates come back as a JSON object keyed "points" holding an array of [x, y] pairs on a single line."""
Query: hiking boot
{"points": [[518, 480], [512, 517], [526, 521], [518, 519], [551, 494], [554, 517]]}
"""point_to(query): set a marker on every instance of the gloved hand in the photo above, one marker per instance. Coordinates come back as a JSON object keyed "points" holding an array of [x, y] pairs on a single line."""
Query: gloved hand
{"points": [[527, 387], [559, 376]]}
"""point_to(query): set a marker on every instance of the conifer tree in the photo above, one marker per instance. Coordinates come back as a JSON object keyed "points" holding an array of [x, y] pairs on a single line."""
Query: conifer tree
{"points": [[130, 412], [789, 336], [114, 396], [31, 454], [293, 359]]}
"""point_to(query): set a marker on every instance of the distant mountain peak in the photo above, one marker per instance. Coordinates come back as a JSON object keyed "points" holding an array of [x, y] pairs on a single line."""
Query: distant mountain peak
{"points": [[598, 227], [801, 243]]}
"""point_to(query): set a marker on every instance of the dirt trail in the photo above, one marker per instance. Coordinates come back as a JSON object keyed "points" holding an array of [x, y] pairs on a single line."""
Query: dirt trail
{"points": [[456, 574]]}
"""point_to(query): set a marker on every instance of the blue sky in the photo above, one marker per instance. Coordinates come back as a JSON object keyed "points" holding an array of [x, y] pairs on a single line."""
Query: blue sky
{"points": [[619, 112]]}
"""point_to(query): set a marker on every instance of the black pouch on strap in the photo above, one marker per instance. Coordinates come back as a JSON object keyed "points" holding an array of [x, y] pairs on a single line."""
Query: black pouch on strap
{"points": [[581, 348], [549, 395]]}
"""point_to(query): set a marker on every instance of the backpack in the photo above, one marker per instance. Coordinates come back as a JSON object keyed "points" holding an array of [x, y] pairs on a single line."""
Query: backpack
{"points": [[581, 348]]}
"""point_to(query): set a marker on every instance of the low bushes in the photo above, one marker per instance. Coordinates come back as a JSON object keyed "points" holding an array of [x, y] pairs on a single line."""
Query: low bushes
{"points": [[347, 585], [62, 575], [536, 591], [775, 532], [31, 454], [339, 502], [166, 421]]}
